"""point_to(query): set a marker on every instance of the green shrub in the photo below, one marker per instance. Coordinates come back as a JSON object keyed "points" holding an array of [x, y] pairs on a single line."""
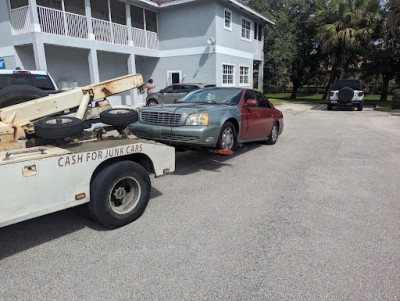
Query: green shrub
{"points": [[396, 99]]}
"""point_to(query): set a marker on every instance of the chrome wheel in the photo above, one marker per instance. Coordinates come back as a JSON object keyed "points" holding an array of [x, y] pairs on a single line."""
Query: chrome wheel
{"points": [[125, 195], [227, 138]]}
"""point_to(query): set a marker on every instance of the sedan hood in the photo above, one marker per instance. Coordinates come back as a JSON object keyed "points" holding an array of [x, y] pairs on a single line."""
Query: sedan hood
{"points": [[183, 108]]}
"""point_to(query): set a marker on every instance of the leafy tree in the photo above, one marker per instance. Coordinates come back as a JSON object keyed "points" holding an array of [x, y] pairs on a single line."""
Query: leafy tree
{"points": [[345, 27], [290, 50], [305, 67], [382, 58]]}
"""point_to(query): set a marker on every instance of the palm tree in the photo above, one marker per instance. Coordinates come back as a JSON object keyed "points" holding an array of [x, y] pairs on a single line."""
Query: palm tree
{"points": [[345, 25]]}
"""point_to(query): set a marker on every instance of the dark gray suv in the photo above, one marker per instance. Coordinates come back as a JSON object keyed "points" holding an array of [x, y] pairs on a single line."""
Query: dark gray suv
{"points": [[172, 93]]}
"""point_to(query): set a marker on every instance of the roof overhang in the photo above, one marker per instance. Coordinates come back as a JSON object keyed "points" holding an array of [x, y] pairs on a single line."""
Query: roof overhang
{"points": [[233, 2]]}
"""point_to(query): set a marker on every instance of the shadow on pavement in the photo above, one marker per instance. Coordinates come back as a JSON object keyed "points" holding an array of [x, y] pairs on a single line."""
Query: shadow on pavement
{"points": [[28, 234]]}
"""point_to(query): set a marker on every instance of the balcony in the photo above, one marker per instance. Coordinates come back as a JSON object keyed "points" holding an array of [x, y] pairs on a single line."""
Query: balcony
{"points": [[62, 23]]}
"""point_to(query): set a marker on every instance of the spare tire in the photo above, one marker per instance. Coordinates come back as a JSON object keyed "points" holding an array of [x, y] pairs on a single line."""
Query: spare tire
{"points": [[345, 94], [19, 93], [59, 127], [119, 117]]}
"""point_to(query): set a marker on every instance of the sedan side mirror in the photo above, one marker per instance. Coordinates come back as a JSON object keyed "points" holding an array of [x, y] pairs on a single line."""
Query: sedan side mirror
{"points": [[251, 103]]}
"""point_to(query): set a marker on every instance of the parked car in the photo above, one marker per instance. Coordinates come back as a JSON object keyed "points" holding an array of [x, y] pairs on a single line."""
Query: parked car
{"points": [[216, 118], [172, 93], [18, 86], [346, 92]]}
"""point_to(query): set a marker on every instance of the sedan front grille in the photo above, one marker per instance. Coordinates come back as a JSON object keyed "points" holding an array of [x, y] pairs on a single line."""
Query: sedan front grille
{"points": [[162, 118]]}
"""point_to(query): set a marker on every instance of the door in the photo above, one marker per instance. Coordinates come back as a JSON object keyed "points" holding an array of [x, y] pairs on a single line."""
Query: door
{"points": [[171, 94], [174, 77], [257, 121]]}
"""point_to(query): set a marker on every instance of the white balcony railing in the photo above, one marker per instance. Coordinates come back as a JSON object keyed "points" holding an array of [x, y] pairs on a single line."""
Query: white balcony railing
{"points": [[67, 24], [120, 34], [102, 30], [145, 39], [58, 22], [77, 26], [20, 20]]}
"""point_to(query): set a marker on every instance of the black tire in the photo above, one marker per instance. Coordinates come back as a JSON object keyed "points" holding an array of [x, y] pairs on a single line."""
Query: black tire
{"points": [[119, 117], [227, 137], [59, 127], [273, 136], [360, 107], [329, 107], [13, 95], [345, 94], [119, 194], [152, 102]]}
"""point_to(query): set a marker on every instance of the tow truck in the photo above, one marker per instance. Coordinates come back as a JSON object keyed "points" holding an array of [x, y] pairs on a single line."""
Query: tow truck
{"points": [[50, 162]]}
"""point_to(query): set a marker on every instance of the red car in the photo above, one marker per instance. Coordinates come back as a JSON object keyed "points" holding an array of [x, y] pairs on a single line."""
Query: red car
{"points": [[216, 118]]}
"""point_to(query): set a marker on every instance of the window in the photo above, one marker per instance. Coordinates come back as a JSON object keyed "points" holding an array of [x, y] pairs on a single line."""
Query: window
{"points": [[227, 74], [151, 21], [257, 31], [244, 75], [228, 19], [262, 102], [246, 29]]}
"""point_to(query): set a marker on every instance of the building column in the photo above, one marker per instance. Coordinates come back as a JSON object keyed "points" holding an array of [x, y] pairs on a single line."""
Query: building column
{"points": [[39, 54], [93, 67], [136, 97], [129, 23], [88, 11], [34, 14], [261, 75]]}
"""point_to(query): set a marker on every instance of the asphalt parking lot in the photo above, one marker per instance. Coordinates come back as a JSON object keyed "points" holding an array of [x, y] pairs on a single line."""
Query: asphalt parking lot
{"points": [[314, 217]]}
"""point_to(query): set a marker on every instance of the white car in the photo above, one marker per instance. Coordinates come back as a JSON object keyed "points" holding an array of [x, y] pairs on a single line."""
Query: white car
{"points": [[346, 92]]}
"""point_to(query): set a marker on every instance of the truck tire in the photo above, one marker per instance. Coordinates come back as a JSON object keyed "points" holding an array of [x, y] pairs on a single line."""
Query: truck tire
{"points": [[18, 94], [119, 194], [119, 117], [59, 127]]}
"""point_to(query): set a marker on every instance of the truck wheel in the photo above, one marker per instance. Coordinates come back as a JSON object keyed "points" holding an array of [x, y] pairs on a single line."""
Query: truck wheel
{"points": [[19, 93], [227, 137], [59, 127], [119, 117], [119, 194]]}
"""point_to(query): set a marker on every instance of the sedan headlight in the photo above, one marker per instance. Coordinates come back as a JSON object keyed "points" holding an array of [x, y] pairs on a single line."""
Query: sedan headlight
{"points": [[197, 119]]}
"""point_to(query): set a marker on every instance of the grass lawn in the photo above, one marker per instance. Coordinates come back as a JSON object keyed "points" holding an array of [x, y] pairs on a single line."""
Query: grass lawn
{"points": [[369, 100]]}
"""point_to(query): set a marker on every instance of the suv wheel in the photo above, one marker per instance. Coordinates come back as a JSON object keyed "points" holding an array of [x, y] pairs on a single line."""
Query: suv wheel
{"points": [[329, 107]]}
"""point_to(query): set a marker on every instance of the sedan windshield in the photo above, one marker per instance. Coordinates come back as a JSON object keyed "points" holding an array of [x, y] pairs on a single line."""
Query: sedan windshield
{"points": [[230, 96]]}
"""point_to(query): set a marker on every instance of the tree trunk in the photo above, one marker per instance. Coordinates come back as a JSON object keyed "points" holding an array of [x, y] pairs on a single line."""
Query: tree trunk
{"points": [[332, 77], [385, 87], [294, 91]]}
